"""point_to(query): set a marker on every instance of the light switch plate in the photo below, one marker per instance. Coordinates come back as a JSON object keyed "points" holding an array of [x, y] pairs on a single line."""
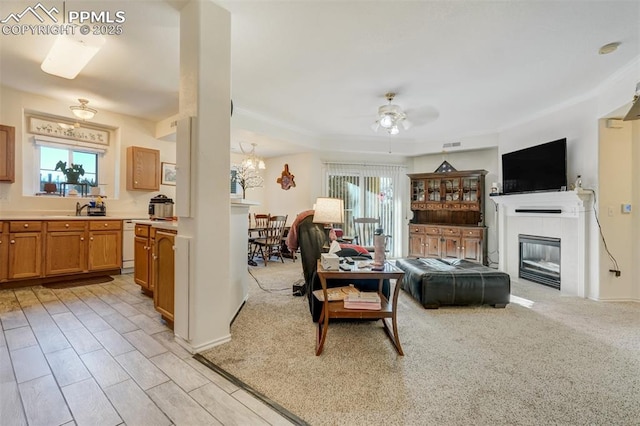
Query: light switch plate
{"points": [[626, 208]]}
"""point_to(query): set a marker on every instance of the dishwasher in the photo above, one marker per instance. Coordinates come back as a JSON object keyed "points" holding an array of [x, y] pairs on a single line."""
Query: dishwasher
{"points": [[128, 237]]}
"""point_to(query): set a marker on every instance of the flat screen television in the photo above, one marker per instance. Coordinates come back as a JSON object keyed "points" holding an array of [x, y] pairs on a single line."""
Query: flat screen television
{"points": [[538, 168]]}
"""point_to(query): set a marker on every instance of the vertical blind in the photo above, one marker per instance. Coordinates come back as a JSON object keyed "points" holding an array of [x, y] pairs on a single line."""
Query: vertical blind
{"points": [[370, 190]]}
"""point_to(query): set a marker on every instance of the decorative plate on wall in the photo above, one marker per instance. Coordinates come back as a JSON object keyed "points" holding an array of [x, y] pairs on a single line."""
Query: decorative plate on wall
{"points": [[286, 179]]}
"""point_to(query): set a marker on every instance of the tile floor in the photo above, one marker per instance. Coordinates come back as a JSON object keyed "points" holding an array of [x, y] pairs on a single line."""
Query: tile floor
{"points": [[99, 355]]}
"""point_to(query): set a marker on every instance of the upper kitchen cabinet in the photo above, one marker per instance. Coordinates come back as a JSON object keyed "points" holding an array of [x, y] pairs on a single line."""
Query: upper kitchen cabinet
{"points": [[143, 169], [7, 153]]}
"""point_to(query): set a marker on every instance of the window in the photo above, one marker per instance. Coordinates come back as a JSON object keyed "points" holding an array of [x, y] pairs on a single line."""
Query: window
{"points": [[369, 191], [49, 157]]}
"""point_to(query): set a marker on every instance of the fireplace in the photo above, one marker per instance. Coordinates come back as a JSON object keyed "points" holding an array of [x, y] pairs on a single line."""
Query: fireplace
{"points": [[540, 259]]}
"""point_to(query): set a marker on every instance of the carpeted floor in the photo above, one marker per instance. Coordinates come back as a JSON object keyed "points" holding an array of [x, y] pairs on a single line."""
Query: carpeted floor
{"points": [[548, 360]]}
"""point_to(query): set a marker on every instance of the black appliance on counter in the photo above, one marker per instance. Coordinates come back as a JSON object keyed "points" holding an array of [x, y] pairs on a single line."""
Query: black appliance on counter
{"points": [[161, 207]]}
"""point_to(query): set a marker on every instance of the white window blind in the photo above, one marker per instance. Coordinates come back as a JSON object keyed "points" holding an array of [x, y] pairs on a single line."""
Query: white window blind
{"points": [[69, 144], [370, 190]]}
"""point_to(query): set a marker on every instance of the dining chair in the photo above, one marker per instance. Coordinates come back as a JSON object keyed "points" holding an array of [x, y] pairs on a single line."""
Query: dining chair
{"points": [[270, 243], [365, 230], [260, 222]]}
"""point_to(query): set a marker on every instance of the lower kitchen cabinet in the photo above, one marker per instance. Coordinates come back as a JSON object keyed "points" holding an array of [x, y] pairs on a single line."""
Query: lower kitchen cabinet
{"points": [[105, 244], [4, 247], [66, 247], [47, 250], [25, 250], [163, 267], [142, 258]]}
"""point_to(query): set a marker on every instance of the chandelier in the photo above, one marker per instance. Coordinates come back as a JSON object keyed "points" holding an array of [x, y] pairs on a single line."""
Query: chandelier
{"points": [[252, 161], [390, 116], [82, 111]]}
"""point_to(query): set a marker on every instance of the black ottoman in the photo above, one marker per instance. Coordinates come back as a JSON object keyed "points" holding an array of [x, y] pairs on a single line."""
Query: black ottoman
{"points": [[435, 282]]}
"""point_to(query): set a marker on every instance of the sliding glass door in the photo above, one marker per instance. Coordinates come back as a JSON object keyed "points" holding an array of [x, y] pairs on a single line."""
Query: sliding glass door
{"points": [[369, 191]]}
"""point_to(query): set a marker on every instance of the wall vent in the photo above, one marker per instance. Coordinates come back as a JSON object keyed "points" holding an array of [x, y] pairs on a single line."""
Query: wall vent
{"points": [[451, 144]]}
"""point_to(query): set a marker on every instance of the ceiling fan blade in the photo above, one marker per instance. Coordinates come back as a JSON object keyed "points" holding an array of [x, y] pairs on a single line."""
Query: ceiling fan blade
{"points": [[423, 115]]}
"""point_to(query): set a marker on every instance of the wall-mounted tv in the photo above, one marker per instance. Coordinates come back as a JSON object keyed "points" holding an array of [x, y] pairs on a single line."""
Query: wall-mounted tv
{"points": [[538, 168]]}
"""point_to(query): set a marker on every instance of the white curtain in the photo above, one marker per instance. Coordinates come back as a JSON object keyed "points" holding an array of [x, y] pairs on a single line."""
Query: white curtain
{"points": [[370, 190]]}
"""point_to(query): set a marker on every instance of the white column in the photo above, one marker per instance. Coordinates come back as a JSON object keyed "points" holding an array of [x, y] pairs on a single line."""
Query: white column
{"points": [[203, 284]]}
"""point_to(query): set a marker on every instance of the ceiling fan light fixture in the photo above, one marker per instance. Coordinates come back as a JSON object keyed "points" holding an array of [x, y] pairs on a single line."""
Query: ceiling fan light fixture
{"points": [[389, 116], [82, 111], [387, 121]]}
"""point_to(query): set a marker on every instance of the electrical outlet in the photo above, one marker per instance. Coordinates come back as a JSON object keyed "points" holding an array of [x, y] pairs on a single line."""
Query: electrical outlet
{"points": [[610, 210], [626, 208]]}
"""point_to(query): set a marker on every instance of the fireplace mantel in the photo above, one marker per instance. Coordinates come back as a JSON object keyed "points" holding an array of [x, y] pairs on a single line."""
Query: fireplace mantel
{"points": [[571, 203], [561, 214]]}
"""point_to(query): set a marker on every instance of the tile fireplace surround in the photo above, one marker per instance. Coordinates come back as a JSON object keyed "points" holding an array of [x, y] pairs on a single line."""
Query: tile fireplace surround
{"points": [[561, 215]]}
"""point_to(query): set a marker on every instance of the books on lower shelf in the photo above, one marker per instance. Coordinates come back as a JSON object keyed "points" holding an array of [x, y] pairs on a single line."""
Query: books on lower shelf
{"points": [[336, 293], [367, 300]]}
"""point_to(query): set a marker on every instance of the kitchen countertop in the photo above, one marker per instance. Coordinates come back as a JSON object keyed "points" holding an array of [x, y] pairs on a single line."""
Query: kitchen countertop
{"points": [[61, 216]]}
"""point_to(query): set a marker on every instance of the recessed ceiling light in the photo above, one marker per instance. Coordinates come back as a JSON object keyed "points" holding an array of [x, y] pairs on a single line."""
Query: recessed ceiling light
{"points": [[609, 48]]}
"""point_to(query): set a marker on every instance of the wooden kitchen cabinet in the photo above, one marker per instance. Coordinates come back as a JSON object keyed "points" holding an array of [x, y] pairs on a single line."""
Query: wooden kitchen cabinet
{"points": [[4, 247], [105, 244], [46, 251], [142, 258], [66, 247], [7, 153], [163, 278], [25, 250], [143, 169]]}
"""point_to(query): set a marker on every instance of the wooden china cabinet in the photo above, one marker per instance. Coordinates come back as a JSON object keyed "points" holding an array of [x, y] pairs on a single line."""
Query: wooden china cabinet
{"points": [[448, 215]]}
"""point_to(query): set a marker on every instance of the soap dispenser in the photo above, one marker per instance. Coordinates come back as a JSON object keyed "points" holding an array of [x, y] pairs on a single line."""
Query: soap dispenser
{"points": [[579, 183]]}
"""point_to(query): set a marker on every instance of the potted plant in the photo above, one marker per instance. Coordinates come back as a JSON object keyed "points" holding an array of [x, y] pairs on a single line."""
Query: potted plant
{"points": [[72, 173], [93, 186]]}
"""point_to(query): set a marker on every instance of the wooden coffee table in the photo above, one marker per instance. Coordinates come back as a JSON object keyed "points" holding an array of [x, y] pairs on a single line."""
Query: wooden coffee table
{"points": [[336, 309]]}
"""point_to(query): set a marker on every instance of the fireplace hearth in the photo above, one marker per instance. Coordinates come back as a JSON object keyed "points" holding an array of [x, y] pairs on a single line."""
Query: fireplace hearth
{"points": [[540, 259]]}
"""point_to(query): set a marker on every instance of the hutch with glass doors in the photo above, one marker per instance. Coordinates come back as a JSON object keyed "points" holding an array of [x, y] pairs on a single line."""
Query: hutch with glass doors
{"points": [[448, 215]]}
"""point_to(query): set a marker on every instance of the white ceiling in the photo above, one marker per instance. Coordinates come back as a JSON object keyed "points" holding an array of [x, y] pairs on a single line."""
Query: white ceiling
{"points": [[311, 74]]}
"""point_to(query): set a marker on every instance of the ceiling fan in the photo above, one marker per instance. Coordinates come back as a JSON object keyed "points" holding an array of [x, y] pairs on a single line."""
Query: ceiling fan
{"points": [[390, 116]]}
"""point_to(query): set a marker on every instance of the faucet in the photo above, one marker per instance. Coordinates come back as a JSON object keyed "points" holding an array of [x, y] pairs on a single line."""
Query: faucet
{"points": [[79, 208]]}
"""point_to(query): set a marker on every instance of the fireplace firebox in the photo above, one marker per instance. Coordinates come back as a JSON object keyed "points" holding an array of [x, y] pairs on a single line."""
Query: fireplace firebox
{"points": [[540, 259]]}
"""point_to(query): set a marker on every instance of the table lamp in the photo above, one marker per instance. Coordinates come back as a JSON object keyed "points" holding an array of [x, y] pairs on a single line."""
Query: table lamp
{"points": [[329, 211]]}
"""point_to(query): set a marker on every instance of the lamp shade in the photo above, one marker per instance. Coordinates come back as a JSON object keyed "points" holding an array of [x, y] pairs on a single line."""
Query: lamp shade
{"points": [[329, 210]]}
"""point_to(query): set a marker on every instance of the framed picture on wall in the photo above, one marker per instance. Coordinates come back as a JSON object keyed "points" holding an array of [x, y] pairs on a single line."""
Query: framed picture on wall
{"points": [[168, 174]]}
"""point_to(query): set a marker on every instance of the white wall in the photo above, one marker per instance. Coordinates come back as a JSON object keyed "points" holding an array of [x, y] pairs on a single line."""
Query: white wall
{"points": [[306, 169], [130, 131]]}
